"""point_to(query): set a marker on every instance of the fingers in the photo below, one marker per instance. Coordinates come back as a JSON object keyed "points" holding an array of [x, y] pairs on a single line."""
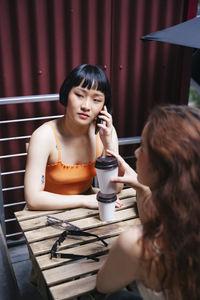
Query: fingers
{"points": [[118, 203], [106, 117], [118, 157], [120, 179]]}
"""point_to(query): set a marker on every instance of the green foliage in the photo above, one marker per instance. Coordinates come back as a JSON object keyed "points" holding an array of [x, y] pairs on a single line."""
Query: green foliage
{"points": [[194, 97]]}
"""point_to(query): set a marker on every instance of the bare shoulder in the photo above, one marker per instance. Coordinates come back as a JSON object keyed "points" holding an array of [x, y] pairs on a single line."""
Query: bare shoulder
{"points": [[44, 130], [130, 242], [42, 134], [42, 140]]}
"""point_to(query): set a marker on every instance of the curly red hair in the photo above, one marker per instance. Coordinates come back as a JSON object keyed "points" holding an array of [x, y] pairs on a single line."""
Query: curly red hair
{"points": [[173, 141]]}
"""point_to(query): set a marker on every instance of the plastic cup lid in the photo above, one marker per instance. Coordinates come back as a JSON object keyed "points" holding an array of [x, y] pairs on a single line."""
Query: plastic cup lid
{"points": [[105, 162], [106, 198]]}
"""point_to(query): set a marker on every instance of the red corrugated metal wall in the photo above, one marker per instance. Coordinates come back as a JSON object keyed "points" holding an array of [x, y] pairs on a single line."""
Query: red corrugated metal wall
{"points": [[146, 73], [42, 40]]}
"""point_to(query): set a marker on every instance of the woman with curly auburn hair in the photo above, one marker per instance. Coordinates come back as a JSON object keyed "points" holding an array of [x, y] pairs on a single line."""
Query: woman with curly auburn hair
{"points": [[163, 254]]}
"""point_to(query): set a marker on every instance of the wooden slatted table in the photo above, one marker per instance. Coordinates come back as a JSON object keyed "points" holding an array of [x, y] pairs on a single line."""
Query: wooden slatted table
{"points": [[65, 278]]}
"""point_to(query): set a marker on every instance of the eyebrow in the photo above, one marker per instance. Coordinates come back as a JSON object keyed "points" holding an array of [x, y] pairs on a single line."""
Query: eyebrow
{"points": [[100, 94]]}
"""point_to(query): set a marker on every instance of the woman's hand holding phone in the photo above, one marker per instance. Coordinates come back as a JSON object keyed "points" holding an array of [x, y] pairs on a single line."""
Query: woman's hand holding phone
{"points": [[105, 125], [104, 122]]}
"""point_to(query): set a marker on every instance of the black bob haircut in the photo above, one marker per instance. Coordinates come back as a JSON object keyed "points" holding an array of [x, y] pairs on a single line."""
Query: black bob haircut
{"points": [[91, 76]]}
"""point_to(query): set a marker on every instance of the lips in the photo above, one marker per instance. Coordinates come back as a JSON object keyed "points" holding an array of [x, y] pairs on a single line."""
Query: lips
{"points": [[83, 116]]}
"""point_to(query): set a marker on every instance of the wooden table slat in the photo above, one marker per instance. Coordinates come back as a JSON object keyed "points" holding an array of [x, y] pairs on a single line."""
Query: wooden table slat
{"points": [[97, 247], [63, 273], [26, 214], [74, 288]]}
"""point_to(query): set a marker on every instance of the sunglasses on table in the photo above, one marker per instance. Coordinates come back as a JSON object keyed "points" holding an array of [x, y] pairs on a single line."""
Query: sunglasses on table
{"points": [[70, 230]]}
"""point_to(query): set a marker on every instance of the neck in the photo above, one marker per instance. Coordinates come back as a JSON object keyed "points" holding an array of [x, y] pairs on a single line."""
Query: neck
{"points": [[69, 129]]}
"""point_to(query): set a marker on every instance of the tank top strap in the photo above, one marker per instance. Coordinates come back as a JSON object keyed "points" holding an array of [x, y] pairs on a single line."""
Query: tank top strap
{"points": [[56, 138], [97, 145]]}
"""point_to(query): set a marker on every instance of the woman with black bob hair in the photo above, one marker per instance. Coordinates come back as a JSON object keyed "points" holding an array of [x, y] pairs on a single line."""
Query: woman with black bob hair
{"points": [[61, 154], [91, 75]]}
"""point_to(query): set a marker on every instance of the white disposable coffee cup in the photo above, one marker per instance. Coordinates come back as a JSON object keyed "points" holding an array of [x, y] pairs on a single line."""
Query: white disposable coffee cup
{"points": [[106, 168], [106, 204]]}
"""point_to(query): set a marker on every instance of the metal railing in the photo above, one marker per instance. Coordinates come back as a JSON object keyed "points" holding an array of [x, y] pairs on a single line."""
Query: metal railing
{"points": [[29, 99], [21, 100]]}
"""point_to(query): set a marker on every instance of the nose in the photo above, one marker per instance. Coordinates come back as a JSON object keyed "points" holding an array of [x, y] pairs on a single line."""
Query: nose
{"points": [[137, 152], [85, 104]]}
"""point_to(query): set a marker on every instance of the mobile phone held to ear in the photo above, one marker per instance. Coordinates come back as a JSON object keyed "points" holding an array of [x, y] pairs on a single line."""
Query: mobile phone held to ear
{"points": [[98, 121]]}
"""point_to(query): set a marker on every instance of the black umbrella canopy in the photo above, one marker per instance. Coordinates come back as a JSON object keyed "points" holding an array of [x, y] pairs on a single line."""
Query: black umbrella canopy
{"points": [[184, 34]]}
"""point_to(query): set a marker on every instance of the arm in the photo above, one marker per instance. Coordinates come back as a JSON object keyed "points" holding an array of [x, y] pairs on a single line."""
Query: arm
{"points": [[109, 137], [40, 147], [129, 177], [123, 263], [107, 132]]}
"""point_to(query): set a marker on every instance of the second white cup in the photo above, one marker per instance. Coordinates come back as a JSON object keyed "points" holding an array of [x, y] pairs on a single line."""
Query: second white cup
{"points": [[106, 204]]}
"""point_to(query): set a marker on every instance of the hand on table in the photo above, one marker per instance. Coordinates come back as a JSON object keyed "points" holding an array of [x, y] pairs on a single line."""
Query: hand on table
{"points": [[92, 203]]}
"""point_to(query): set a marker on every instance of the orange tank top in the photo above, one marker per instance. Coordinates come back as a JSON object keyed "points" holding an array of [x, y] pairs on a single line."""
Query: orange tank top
{"points": [[69, 179]]}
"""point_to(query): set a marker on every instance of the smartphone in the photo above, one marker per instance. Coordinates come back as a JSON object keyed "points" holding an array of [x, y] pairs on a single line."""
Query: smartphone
{"points": [[98, 121]]}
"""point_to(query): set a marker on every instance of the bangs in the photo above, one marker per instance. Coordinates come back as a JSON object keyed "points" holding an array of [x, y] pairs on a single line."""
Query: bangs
{"points": [[92, 81]]}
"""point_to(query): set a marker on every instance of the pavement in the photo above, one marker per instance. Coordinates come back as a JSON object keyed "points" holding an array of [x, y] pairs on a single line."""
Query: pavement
{"points": [[22, 268]]}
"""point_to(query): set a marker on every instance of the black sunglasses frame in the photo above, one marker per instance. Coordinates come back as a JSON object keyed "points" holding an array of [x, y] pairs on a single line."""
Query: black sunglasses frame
{"points": [[70, 229]]}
